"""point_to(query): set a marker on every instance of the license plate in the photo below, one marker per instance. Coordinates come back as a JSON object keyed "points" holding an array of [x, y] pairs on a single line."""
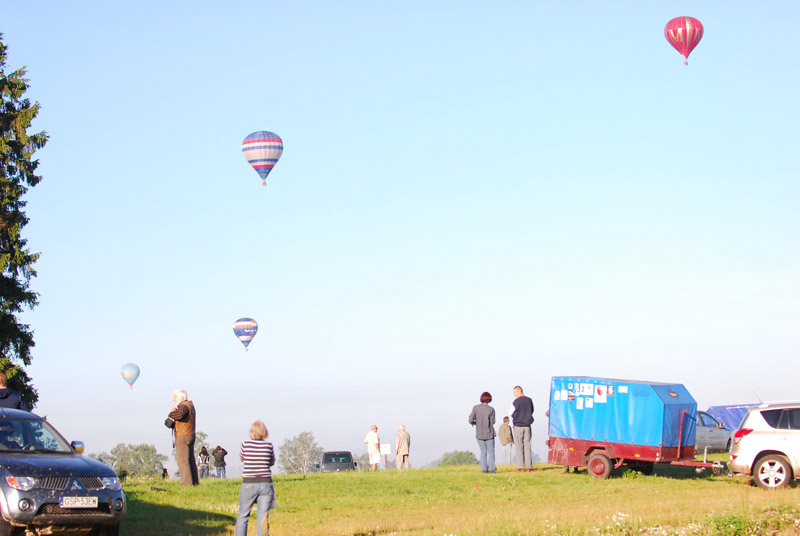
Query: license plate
{"points": [[78, 502]]}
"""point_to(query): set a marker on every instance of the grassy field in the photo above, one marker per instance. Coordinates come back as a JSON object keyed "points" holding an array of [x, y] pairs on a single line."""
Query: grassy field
{"points": [[462, 501]]}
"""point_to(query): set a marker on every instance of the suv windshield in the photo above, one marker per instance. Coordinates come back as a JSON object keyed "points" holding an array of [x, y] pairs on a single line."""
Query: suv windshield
{"points": [[30, 435], [337, 458]]}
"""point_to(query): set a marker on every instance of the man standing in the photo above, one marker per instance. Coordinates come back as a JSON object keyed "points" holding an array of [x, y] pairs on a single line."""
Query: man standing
{"points": [[373, 442], [402, 444], [184, 416], [506, 438], [9, 398], [219, 454], [522, 413]]}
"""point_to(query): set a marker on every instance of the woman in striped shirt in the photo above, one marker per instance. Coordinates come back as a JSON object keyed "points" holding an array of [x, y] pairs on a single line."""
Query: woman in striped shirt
{"points": [[258, 457]]}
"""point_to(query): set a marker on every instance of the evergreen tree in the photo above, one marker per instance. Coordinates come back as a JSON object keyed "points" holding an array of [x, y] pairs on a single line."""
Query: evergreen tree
{"points": [[17, 174]]}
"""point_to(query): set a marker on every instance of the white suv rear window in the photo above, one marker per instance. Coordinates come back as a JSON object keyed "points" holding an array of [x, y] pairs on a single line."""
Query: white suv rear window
{"points": [[782, 419]]}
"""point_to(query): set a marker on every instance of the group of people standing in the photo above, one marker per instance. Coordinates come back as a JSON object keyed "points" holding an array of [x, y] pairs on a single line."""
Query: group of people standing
{"points": [[183, 423], [204, 461], [402, 446], [482, 418], [256, 454]]}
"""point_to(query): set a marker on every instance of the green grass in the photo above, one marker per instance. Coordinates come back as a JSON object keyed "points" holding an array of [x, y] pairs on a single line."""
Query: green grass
{"points": [[464, 502]]}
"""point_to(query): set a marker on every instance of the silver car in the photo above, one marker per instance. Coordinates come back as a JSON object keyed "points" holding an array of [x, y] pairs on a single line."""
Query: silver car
{"points": [[767, 445], [47, 487], [712, 434]]}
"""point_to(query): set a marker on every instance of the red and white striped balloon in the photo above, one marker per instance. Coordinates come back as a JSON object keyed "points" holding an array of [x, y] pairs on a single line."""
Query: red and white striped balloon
{"points": [[684, 33]]}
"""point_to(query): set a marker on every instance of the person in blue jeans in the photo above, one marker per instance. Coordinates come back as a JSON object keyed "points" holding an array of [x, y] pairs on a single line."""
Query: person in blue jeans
{"points": [[482, 418], [219, 454], [257, 456]]}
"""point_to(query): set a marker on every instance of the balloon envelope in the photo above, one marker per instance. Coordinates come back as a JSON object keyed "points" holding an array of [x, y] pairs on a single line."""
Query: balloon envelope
{"points": [[684, 33], [262, 150], [130, 373], [245, 329]]}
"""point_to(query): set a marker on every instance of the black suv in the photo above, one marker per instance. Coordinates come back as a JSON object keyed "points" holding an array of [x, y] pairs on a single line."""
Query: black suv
{"points": [[340, 460], [47, 487]]}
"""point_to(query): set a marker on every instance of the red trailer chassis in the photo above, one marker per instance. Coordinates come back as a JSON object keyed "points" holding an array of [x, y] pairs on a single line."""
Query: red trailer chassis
{"points": [[601, 457]]}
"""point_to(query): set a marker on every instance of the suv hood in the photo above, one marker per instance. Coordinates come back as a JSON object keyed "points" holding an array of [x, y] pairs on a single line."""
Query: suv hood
{"points": [[41, 465]]}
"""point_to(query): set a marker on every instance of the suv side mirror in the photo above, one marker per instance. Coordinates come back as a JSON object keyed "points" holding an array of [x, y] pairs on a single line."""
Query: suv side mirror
{"points": [[77, 446], [720, 426]]}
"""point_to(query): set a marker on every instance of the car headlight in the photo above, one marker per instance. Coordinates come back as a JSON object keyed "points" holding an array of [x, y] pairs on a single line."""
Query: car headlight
{"points": [[22, 483], [111, 482]]}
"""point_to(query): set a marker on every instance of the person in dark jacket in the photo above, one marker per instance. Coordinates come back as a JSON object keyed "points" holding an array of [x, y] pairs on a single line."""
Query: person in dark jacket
{"points": [[482, 418], [522, 415], [219, 454], [9, 398]]}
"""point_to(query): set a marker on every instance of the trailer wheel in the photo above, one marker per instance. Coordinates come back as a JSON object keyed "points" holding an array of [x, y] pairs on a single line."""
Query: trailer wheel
{"points": [[599, 466], [772, 471]]}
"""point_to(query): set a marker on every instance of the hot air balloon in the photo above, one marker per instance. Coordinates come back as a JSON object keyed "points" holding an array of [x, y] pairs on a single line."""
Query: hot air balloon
{"points": [[684, 33], [262, 150], [245, 329], [130, 373]]}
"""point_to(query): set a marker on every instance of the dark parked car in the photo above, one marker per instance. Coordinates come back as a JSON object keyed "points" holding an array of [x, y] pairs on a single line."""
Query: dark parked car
{"points": [[47, 487], [340, 460]]}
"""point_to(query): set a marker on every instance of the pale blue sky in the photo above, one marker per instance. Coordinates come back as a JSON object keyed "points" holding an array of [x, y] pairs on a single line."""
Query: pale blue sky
{"points": [[470, 197]]}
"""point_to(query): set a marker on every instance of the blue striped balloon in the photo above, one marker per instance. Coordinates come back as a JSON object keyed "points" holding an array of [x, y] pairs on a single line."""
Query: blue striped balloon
{"points": [[262, 150], [245, 329], [129, 373]]}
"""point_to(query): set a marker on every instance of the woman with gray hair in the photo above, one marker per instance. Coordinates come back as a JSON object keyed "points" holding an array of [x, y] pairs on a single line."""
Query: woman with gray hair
{"points": [[184, 416]]}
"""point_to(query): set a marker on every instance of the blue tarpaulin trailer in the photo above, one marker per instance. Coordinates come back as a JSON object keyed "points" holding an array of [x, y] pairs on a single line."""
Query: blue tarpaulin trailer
{"points": [[603, 423]]}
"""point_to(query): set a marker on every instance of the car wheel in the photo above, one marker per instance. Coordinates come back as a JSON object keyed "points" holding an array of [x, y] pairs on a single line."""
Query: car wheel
{"points": [[599, 466], [772, 472], [728, 445]]}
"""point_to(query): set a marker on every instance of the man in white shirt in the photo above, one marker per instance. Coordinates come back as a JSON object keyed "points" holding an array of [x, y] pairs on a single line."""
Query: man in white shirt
{"points": [[373, 442]]}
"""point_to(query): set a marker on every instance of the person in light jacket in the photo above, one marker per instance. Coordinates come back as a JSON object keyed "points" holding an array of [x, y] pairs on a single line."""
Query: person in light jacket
{"points": [[482, 418], [506, 438], [402, 444]]}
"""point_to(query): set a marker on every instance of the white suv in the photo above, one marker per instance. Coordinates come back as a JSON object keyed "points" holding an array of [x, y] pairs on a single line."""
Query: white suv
{"points": [[767, 445]]}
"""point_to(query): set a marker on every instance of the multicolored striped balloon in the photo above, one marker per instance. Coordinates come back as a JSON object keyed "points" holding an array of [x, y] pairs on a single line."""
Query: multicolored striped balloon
{"points": [[684, 33], [130, 373], [262, 150], [245, 329]]}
